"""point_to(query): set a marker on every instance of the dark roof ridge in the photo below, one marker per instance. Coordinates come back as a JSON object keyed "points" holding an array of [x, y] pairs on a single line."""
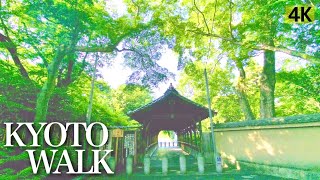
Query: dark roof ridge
{"points": [[170, 90]]}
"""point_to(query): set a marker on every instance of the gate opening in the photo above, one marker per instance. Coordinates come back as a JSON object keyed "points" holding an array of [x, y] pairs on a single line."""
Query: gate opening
{"points": [[167, 139]]}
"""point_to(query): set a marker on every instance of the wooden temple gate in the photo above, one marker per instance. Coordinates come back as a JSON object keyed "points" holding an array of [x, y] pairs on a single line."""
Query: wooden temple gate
{"points": [[175, 112], [171, 111]]}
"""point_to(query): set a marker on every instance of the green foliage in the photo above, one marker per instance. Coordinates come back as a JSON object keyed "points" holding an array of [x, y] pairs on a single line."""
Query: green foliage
{"points": [[223, 98], [18, 97], [230, 31], [298, 91], [61, 37], [130, 97], [233, 32], [66, 105], [57, 41]]}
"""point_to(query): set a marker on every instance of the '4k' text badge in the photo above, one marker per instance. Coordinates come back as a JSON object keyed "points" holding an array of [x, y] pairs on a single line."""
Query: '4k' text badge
{"points": [[300, 14]]}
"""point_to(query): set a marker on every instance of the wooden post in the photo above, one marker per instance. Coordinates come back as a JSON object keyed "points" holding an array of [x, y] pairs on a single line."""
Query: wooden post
{"points": [[183, 137], [189, 136], [191, 139], [200, 132], [109, 144], [195, 136], [116, 150], [122, 150], [135, 148], [4, 137], [186, 136]]}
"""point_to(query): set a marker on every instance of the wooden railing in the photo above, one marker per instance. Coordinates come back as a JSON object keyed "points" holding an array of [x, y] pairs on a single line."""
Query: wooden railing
{"points": [[189, 148], [185, 144], [151, 149], [167, 144]]}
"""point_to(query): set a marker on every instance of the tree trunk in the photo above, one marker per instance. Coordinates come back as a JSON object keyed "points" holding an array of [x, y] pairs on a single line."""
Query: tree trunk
{"points": [[245, 105], [67, 80], [48, 88], [243, 100], [267, 85], [11, 47], [89, 112]]}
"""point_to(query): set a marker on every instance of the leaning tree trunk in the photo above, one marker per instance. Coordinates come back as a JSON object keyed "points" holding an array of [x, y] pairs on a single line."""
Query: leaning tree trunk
{"points": [[267, 85], [245, 105], [48, 88], [89, 112], [240, 90], [12, 48]]}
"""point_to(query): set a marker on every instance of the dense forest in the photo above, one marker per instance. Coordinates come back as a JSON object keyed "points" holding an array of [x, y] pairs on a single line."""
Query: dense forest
{"points": [[51, 50]]}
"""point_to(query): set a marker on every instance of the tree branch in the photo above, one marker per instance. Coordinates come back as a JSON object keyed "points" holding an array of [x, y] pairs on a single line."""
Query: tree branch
{"points": [[132, 50], [44, 60], [230, 19], [137, 6], [313, 59], [83, 64], [11, 47], [107, 49], [310, 58], [137, 52], [204, 18], [112, 46]]}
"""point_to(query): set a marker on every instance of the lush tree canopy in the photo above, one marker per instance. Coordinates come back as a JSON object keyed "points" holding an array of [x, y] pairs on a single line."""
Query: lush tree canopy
{"points": [[221, 31], [55, 44]]}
